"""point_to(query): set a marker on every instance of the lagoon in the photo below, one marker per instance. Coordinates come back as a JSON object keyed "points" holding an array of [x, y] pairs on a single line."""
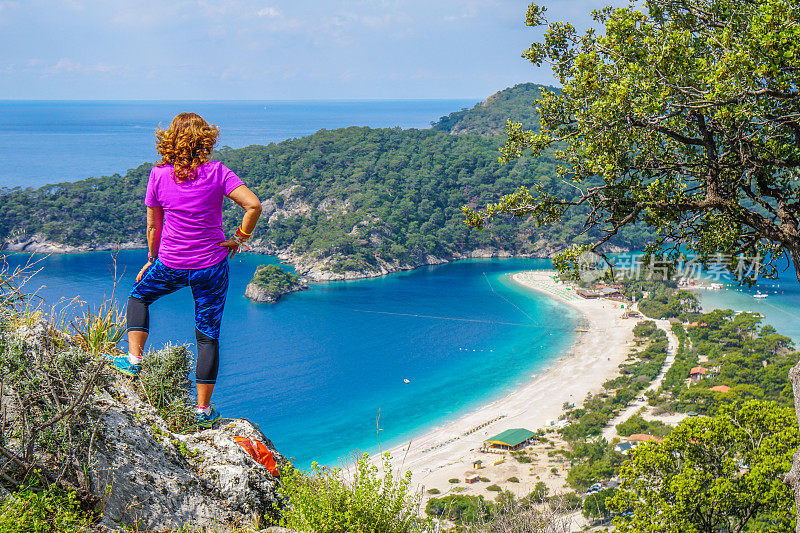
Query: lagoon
{"points": [[322, 371]]}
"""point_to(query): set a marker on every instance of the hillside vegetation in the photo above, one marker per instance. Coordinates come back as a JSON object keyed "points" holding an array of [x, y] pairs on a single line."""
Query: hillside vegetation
{"points": [[489, 117], [358, 200]]}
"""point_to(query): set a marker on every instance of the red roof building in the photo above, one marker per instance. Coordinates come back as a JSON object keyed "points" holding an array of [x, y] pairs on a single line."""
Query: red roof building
{"points": [[642, 437], [697, 373]]}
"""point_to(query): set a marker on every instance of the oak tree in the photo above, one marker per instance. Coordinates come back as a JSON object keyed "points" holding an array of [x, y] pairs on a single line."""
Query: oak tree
{"points": [[683, 115]]}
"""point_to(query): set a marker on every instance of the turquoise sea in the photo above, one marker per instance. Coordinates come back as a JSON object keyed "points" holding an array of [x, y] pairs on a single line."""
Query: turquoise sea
{"points": [[781, 307], [322, 369]]}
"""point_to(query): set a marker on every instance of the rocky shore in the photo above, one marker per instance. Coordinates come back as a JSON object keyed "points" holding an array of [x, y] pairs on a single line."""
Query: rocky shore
{"points": [[260, 294], [311, 269], [38, 244]]}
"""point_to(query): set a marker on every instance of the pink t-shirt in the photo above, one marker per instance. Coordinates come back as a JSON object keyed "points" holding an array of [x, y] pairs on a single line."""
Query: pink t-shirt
{"points": [[192, 214]]}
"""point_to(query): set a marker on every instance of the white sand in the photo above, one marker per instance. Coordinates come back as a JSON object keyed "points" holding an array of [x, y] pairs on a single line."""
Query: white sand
{"points": [[591, 361]]}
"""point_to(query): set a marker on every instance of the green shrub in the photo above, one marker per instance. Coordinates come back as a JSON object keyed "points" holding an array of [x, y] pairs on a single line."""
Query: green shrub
{"points": [[523, 458], [571, 501], [434, 491], [539, 493], [45, 374], [494, 488], [513, 479], [101, 330], [644, 329], [594, 506], [484, 479], [325, 502], [53, 510], [458, 508], [454, 480], [637, 424], [164, 382]]}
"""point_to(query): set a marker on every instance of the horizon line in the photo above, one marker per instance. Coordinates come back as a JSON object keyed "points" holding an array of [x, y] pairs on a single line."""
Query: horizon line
{"points": [[11, 100]]}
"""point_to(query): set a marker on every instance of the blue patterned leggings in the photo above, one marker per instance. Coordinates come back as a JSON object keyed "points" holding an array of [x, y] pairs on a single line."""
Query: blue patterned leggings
{"points": [[209, 289]]}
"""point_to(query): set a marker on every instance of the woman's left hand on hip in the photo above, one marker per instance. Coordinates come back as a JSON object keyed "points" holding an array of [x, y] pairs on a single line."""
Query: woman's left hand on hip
{"points": [[233, 246]]}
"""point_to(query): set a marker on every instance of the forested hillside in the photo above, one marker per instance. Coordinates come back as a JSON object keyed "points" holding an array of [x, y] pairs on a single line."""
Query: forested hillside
{"points": [[339, 203], [357, 200], [489, 117]]}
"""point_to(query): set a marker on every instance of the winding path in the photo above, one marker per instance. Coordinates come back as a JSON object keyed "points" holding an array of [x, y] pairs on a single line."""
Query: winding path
{"points": [[610, 431]]}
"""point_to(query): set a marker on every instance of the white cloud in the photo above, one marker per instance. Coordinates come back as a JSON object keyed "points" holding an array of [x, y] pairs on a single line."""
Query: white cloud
{"points": [[271, 12], [66, 65]]}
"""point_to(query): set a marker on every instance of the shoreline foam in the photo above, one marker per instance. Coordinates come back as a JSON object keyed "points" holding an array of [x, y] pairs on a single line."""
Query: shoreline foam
{"points": [[437, 456]]}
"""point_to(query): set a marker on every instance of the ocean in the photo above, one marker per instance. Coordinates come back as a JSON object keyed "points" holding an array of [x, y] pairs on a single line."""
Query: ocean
{"points": [[55, 141], [323, 371], [781, 307]]}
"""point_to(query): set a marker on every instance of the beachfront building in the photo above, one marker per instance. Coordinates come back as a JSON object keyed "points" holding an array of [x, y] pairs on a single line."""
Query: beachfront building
{"points": [[586, 293], [697, 373], [509, 440], [638, 438], [471, 477], [633, 441], [624, 447]]}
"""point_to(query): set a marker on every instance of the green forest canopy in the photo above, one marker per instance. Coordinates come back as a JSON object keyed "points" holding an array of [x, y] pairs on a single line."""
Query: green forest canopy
{"points": [[356, 195], [489, 117]]}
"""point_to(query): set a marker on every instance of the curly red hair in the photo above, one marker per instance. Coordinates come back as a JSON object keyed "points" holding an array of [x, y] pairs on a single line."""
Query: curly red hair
{"points": [[186, 144]]}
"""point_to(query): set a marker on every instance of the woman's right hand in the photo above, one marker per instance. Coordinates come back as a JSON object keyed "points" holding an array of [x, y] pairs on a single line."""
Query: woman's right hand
{"points": [[143, 270]]}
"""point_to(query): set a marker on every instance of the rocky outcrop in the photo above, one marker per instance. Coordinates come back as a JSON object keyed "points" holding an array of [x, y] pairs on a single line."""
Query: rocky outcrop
{"points": [[143, 476], [270, 282], [260, 294], [38, 243], [157, 480]]}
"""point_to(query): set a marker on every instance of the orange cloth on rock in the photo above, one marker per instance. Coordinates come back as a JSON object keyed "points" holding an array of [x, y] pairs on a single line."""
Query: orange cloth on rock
{"points": [[259, 452]]}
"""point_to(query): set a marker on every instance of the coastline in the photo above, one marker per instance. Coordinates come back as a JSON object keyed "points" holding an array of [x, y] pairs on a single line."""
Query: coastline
{"points": [[313, 270], [437, 456]]}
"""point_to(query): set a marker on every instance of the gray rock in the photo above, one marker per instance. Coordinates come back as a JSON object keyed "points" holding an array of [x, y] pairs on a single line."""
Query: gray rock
{"points": [[257, 293], [156, 480]]}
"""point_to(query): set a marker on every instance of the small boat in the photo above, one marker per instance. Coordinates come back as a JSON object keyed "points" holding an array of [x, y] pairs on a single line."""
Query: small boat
{"points": [[759, 295], [406, 380]]}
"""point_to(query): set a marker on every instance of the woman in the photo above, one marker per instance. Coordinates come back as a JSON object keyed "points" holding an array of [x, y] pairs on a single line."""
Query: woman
{"points": [[187, 246]]}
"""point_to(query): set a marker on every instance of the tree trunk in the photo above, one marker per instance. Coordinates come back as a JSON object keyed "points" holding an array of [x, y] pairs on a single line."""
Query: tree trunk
{"points": [[792, 478]]}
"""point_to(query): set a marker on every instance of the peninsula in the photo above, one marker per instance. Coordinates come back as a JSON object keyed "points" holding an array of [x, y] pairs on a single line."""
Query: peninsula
{"points": [[339, 204]]}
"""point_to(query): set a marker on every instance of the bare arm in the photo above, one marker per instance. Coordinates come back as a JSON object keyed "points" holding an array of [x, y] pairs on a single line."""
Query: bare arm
{"points": [[244, 198], [155, 222]]}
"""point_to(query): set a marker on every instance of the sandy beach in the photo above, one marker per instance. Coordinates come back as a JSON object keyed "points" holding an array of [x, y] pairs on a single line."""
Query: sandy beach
{"points": [[449, 451]]}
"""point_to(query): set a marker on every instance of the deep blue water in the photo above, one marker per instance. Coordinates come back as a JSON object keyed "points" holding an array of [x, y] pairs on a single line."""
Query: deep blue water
{"points": [[51, 142], [316, 369], [781, 307]]}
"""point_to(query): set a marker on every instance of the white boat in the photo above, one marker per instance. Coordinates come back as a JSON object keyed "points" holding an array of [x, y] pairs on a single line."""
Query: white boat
{"points": [[406, 380], [759, 295]]}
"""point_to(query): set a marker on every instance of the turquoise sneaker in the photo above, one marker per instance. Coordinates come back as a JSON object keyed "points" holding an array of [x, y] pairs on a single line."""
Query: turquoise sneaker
{"points": [[205, 420], [121, 364]]}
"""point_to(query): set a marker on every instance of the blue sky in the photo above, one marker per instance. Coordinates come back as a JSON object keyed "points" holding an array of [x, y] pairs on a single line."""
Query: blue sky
{"points": [[262, 49]]}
